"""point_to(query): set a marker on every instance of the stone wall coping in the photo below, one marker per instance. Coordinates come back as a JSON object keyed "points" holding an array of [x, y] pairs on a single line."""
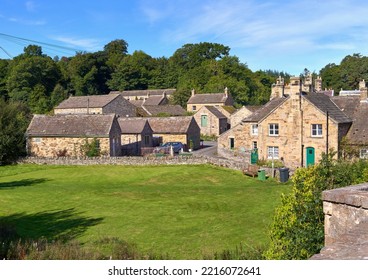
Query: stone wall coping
{"points": [[356, 195]]}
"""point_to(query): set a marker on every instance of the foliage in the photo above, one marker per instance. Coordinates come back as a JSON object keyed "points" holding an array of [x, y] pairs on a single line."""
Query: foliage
{"points": [[14, 120], [91, 148], [297, 231]]}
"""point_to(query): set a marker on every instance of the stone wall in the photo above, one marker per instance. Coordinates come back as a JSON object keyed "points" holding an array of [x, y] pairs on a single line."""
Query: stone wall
{"points": [[136, 161], [346, 223]]}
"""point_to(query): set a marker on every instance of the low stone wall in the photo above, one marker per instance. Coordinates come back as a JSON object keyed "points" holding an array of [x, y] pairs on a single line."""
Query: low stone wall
{"points": [[346, 223], [136, 161]]}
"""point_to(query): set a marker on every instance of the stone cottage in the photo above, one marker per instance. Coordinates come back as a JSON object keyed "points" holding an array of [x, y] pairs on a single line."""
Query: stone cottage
{"points": [[197, 101], [135, 134], [242, 113], [96, 104], [65, 135], [176, 129], [295, 126], [211, 121]]}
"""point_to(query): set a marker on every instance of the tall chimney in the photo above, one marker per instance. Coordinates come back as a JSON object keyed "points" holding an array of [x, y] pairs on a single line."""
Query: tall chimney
{"points": [[193, 92], [226, 92], [363, 91]]}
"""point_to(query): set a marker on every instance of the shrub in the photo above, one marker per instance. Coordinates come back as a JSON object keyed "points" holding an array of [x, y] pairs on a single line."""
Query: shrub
{"points": [[91, 148], [297, 231]]}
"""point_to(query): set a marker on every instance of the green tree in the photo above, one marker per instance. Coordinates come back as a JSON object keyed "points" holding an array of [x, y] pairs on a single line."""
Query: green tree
{"points": [[14, 120]]}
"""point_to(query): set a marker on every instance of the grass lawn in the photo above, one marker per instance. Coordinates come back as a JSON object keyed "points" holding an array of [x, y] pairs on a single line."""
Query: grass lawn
{"points": [[187, 212]]}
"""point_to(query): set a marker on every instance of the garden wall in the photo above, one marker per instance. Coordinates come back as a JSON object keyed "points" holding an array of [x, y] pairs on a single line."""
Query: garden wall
{"points": [[137, 161], [346, 223]]}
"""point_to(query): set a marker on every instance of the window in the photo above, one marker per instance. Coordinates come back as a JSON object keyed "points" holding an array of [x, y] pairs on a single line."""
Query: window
{"points": [[273, 129], [364, 153], [204, 120], [146, 140], [254, 145], [36, 140], [273, 152], [316, 130], [232, 143], [194, 108], [254, 129]]}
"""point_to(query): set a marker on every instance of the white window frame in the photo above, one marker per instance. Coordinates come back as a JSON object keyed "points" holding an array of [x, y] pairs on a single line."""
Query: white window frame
{"points": [[316, 130], [363, 153], [273, 129], [273, 152], [254, 129]]}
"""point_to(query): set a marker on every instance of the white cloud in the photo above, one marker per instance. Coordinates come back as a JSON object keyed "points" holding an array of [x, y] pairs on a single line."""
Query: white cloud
{"points": [[86, 44]]}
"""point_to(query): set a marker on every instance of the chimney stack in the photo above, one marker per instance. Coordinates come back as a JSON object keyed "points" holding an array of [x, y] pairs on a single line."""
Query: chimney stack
{"points": [[193, 92], [363, 91]]}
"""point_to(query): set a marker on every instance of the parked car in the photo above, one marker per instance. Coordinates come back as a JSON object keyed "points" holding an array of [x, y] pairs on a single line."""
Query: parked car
{"points": [[177, 146]]}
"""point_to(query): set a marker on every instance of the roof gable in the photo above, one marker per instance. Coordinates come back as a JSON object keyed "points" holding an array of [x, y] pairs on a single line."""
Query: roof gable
{"points": [[208, 98], [133, 125], [213, 110], [171, 110], [325, 104], [91, 101], [266, 109], [71, 125]]}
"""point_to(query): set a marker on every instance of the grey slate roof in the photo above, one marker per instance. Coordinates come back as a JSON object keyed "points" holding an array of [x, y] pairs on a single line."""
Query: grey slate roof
{"points": [[358, 112], [215, 112], [324, 104], [172, 110], [171, 125], [154, 100], [133, 125], [146, 92], [71, 125], [207, 98], [91, 101], [265, 110]]}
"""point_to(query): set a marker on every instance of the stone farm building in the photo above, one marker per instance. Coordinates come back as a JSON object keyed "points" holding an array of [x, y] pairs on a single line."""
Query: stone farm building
{"points": [[298, 124], [197, 101], [211, 121], [65, 135], [97, 104], [136, 134], [176, 129]]}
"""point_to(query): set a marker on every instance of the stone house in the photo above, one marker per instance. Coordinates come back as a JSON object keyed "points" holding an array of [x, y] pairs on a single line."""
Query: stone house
{"points": [[135, 134], [197, 101], [295, 126], [242, 113], [176, 129], [96, 104], [211, 121], [65, 135], [163, 95], [355, 107]]}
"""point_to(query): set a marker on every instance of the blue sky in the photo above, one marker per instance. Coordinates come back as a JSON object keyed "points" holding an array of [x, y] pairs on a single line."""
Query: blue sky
{"points": [[281, 35]]}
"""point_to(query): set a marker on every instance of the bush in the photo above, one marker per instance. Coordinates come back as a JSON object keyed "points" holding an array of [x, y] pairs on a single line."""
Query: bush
{"points": [[297, 231], [91, 149]]}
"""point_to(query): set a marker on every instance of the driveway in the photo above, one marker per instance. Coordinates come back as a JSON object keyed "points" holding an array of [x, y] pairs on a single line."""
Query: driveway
{"points": [[208, 149]]}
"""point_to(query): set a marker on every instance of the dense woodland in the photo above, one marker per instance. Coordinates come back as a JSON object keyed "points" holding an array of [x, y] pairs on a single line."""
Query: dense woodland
{"points": [[34, 82]]}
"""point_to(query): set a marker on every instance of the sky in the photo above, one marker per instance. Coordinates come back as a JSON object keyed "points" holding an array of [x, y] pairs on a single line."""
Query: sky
{"points": [[283, 35]]}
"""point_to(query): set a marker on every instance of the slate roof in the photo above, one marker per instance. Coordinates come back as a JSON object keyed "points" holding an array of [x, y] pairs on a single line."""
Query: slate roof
{"points": [[132, 125], [154, 100], [357, 111], [253, 108], [171, 125], [215, 112], [265, 110], [91, 101], [207, 98], [172, 110], [137, 103], [324, 104], [146, 92], [71, 125]]}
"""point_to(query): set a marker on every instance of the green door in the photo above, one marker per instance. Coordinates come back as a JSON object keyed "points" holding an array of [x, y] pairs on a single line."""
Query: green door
{"points": [[254, 156], [204, 121], [310, 156]]}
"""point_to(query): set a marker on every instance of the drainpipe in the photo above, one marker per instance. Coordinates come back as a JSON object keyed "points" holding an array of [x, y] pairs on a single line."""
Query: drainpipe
{"points": [[301, 124]]}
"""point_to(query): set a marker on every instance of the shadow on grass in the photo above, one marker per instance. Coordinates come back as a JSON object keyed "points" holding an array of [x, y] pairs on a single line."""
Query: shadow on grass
{"points": [[61, 225], [21, 183]]}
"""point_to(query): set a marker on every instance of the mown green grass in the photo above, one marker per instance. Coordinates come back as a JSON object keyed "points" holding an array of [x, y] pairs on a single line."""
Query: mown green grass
{"points": [[186, 212]]}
